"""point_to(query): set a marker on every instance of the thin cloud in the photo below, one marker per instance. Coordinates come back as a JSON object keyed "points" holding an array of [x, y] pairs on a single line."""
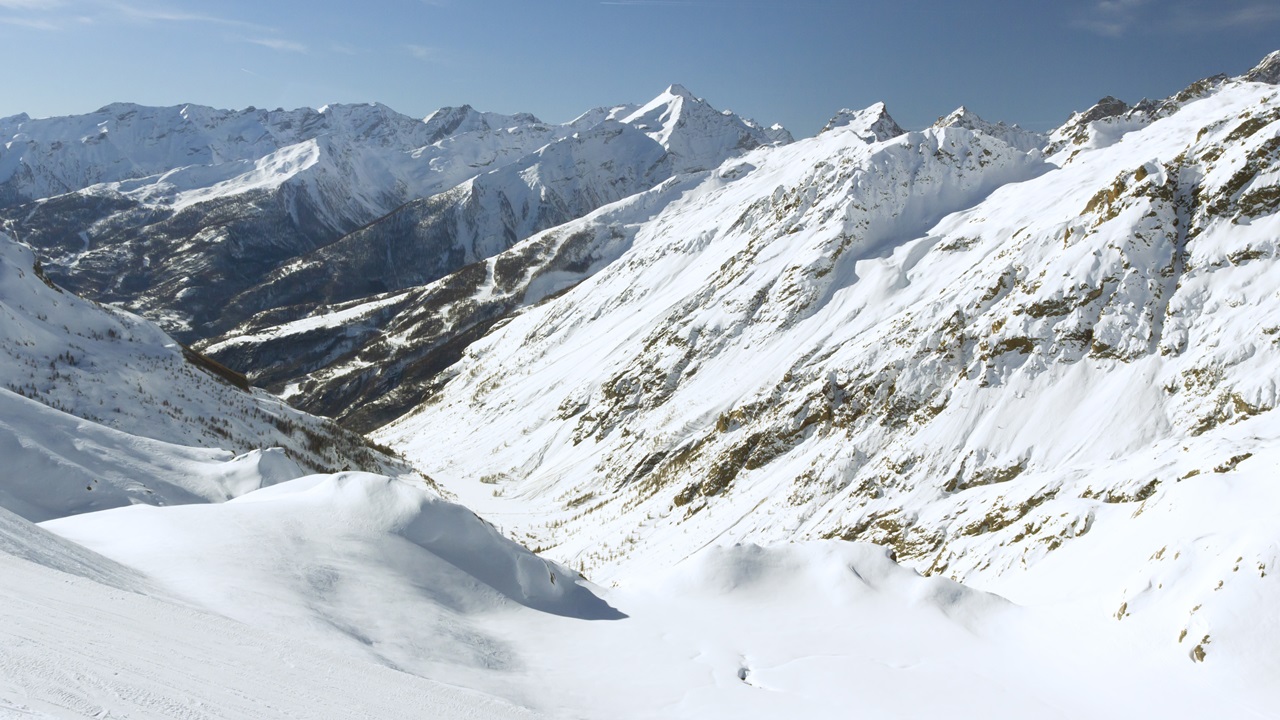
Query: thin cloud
{"points": [[32, 14], [29, 4], [1112, 18], [1118, 18], [424, 53], [278, 44], [161, 14], [32, 23], [57, 14], [1248, 16]]}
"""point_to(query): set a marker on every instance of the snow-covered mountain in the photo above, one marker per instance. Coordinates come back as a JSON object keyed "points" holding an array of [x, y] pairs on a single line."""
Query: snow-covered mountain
{"points": [[176, 237], [1019, 373], [369, 361], [99, 409], [1014, 136], [872, 124], [373, 355], [969, 409], [201, 218], [437, 235]]}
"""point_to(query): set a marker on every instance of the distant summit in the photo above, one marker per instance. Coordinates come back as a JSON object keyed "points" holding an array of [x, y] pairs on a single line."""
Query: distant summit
{"points": [[872, 124]]}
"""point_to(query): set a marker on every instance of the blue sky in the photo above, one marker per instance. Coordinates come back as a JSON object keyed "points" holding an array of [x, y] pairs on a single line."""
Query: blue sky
{"points": [[795, 62]]}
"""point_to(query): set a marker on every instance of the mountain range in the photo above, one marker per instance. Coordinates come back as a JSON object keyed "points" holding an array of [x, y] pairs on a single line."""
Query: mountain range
{"points": [[963, 420]]}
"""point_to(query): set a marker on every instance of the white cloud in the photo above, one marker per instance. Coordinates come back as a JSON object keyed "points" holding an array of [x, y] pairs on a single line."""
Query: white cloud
{"points": [[278, 44], [1112, 18], [33, 23], [1249, 15], [1117, 18], [424, 53], [29, 4], [152, 13]]}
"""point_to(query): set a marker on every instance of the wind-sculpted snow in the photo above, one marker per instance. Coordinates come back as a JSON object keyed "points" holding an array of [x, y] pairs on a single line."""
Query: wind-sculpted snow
{"points": [[57, 464], [24, 540], [366, 570], [82, 636], [938, 343], [361, 561]]}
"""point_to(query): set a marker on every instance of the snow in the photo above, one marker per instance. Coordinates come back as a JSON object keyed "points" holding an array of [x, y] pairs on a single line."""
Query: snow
{"points": [[364, 571], [59, 464], [883, 341], [100, 409], [71, 646], [1041, 386], [1015, 136], [872, 124]]}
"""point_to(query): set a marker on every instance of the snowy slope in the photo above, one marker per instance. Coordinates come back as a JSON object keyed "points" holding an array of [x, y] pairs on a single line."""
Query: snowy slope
{"points": [[369, 361], [82, 636], [99, 408], [359, 563], [433, 237], [370, 570], [817, 349]]}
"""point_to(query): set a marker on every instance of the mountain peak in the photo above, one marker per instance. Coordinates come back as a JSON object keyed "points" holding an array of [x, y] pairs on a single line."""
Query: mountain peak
{"points": [[697, 135], [964, 118], [462, 119], [678, 90], [872, 124], [961, 117], [1104, 108], [1267, 71]]}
